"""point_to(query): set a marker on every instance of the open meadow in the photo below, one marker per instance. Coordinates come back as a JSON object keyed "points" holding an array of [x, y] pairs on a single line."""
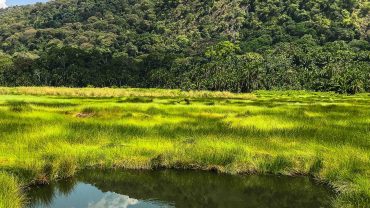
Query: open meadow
{"points": [[52, 133]]}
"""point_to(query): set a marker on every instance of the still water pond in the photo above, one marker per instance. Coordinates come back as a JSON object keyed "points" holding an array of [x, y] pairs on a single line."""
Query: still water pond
{"points": [[171, 188]]}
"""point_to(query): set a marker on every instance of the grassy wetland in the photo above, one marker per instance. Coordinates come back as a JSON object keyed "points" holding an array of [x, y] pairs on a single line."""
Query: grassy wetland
{"points": [[52, 133]]}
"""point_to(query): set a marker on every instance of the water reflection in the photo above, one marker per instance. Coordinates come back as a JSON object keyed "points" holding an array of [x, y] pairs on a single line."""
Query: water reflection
{"points": [[170, 188], [114, 200]]}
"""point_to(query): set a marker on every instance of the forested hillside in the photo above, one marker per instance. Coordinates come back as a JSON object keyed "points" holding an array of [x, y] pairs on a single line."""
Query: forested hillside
{"points": [[236, 45]]}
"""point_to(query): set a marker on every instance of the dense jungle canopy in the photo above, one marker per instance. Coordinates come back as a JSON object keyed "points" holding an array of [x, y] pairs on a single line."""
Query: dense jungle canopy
{"points": [[235, 45]]}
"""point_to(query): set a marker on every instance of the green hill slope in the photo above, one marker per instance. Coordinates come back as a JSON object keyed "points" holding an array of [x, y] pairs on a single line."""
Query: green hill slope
{"points": [[236, 45]]}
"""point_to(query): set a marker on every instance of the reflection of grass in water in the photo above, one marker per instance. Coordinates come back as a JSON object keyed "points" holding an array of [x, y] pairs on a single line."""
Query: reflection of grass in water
{"points": [[322, 134], [42, 195]]}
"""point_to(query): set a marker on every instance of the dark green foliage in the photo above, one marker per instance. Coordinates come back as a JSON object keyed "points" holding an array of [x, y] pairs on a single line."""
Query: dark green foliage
{"points": [[234, 45]]}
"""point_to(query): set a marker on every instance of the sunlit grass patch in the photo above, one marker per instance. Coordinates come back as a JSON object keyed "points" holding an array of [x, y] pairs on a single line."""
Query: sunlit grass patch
{"points": [[145, 120], [313, 114], [261, 122], [209, 115]]}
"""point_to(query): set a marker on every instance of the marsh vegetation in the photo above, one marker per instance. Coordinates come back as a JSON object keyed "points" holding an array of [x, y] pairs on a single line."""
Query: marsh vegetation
{"points": [[53, 133]]}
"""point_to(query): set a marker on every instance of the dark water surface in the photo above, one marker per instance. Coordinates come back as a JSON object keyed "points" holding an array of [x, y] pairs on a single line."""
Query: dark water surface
{"points": [[171, 188]]}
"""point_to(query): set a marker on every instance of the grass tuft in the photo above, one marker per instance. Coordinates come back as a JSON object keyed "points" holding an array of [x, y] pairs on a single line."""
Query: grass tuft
{"points": [[10, 192], [316, 166]]}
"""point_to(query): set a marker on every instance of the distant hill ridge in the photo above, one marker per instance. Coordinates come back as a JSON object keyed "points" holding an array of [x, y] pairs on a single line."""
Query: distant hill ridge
{"points": [[234, 45]]}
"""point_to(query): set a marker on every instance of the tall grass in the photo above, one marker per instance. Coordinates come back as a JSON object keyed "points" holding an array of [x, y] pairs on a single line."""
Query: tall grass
{"points": [[10, 193], [63, 130], [118, 92]]}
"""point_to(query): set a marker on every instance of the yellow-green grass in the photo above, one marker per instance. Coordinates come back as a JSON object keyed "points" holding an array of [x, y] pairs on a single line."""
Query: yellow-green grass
{"points": [[10, 191], [51, 133]]}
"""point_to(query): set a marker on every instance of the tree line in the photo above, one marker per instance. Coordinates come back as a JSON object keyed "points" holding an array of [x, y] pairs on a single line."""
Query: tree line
{"points": [[234, 45]]}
